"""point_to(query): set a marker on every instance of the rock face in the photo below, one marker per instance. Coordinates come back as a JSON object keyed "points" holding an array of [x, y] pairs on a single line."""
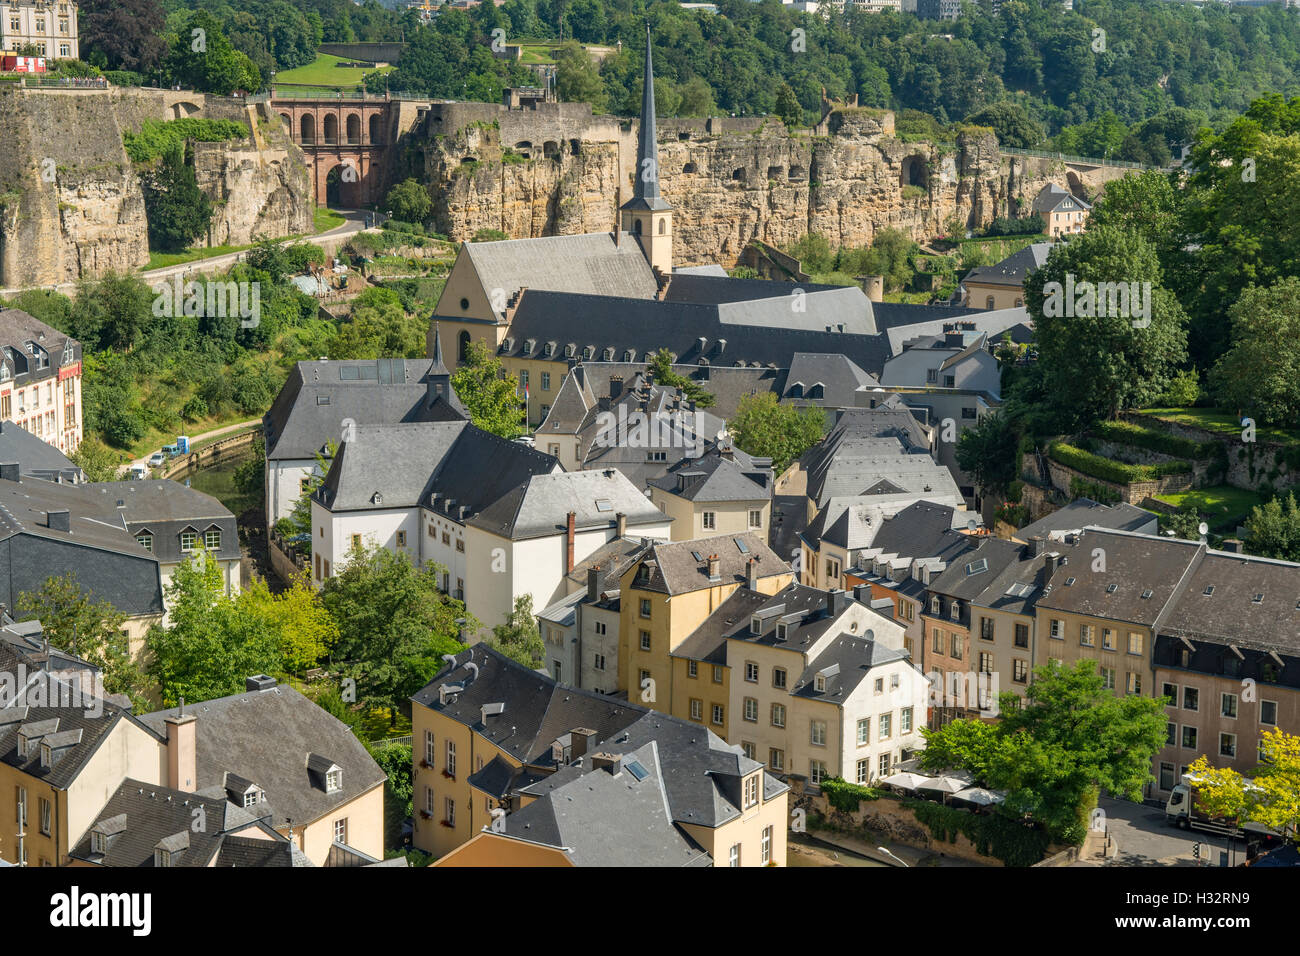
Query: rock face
{"points": [[730, 180], [71, 206]]}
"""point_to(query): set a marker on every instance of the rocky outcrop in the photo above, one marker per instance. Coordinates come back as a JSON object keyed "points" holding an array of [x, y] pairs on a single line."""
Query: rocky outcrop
{"points": [[730, 180], [71, 206]]}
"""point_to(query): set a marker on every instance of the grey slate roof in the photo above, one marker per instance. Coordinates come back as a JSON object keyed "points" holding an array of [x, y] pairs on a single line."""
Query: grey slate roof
{"points": [[36, 458], [164, 508], [715, 478], [409, 463], [837, 375], [726, 383], [1083, 512], [1229, 614], [140, 817], [774, 304], [1051, 196], [672, 567], [540, 505], [310, 409], [1015, 268], [267, 737], [18, 330], [846, 661], [992, 323]]}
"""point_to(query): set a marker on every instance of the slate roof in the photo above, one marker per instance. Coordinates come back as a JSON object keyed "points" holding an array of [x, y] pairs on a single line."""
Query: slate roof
{"points": [[311, 406], [1051, 196], [36, 458], [17, 329], [407, 464], [1230, 613], [726, 383], [540, 505], [267, 736], [614, 557], [714, 478], [98, 548], [846, 661], [671, 567], [921, 529], [1084, 512], [164, 508], [992, 323], [590, 263], [1015, 268], [141, 816], [839, 377]]}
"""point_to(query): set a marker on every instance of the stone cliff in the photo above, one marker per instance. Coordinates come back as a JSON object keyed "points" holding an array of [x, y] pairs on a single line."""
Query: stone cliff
{"points": [[70, 202], [535, 172]]}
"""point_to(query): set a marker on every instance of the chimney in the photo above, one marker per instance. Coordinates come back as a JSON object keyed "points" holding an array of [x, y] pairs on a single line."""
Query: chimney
{"points": [[615, 387], [595, 582], [874, 287], [607, 761], [259, 682], [751, 574], [59, 519], [9, 471], [715, 568], [182, 755], [835, 602], [862, 593], [580, 740], [570, 529], [1232, 545], [579, 375], [1049, 562], [1037, 544], [620, 524]]}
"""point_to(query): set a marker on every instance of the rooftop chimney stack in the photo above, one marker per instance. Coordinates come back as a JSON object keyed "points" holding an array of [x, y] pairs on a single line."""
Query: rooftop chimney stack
{"points": [[620, 523], [59, 519], [835, 602], [607, 761], [595, 582], [182, 754], [751, 574], [715, 568], [9, 470], [1037, 545], [581, 739], [570, 529]]}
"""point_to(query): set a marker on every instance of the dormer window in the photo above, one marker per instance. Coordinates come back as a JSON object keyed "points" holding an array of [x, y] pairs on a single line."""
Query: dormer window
{"points": [[934, 605], [162, 858], [98, 843], [47, 756], [569, 350], [756, 625], [334, 780], [782, 631], [1257, 599], [819, 682], [253, 797], [955, 610]]}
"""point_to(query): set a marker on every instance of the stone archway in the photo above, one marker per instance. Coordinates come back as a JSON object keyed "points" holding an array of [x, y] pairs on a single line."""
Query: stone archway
{"points": [[913, 171], [376, 126], [308, 129], [354, 129], [330, 126]]}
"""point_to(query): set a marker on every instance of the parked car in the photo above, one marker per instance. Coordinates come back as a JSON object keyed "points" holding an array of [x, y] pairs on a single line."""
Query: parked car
{"points": [[156, 459]]}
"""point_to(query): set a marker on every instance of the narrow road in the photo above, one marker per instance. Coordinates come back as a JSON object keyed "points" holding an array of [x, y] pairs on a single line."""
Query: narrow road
{"points": [[194, 440]]}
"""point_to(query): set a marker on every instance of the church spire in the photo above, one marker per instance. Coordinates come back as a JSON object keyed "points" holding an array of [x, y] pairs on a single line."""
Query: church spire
{"points": [[647, 166], [647, 216]]}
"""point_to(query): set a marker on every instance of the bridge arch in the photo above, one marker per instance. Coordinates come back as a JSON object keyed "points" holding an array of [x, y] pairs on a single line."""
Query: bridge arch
{"points": [[307, 129], [354, 129]]}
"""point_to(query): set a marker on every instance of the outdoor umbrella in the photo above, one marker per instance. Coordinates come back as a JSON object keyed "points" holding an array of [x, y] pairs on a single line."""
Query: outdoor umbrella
{"points": [[906, 780], [979, 796]]}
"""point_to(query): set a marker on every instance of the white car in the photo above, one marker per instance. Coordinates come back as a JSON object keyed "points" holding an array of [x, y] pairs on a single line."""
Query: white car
{"points": [[156, 459]]}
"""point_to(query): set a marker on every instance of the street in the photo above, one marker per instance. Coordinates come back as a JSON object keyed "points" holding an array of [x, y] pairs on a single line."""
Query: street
{"points": [[1143, 837]]}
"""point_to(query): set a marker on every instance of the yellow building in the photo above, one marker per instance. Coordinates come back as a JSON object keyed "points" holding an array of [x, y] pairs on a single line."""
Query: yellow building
{"points": [[723, 492], [512, 769], [665, 596]]}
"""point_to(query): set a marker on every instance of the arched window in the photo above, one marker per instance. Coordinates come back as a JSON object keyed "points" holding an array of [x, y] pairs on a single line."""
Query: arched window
{"points": [[663, 226], [375, 135], [636, 226], [462, 346], [308, 128]]}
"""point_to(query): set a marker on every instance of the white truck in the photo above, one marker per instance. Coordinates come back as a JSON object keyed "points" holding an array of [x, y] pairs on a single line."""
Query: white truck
{"points": [[1182, 812]]}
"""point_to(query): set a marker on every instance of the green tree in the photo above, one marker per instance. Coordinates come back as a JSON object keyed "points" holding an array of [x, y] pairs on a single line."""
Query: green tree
{"points": [[394, 625], [519, 637], [488, 235], [202, 58], [1094, 356], [1273, 529], [1260, 373], [1273, 795], [178, 212], [1011, 124], [788, 108], [489, 394], [576, 77], [97, 460], [661, 367], [128, 34], [74, 622], [813, 250], [764, 427], [397, 762], [409, 201], [987, 451], [303, 627]]}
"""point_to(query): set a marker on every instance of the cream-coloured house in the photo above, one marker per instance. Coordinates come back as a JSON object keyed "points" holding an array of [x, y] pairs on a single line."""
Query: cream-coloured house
{"points": [[1063, 214], [48, 25], [724, 491]]}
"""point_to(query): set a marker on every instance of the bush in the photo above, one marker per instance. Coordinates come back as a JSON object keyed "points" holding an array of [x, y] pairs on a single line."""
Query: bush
{"points": [[1183, 392], [1087, 489], [195, 409], [1010, 841], [1031, 225], [158, 136], [846, 796], [1153, 439], [1104, 468], [124, 78], [489, 235]]}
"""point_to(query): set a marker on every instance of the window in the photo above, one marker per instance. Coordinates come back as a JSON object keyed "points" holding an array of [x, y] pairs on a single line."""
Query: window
{"points": [[1170, 691], [546, 381], [776, 759], [719, 713], [864, 731], [710, 520], [986, 663], [1227, 745], [449, 811], [599, 627], [864, 771], [733, 856], [251, 798], [1134, 642], [692, 669], [341, 830], [97, 843], [697, 709], [778, 677], [879, 687], [1107, 639], [450, 764], [819, 683], [45, 816], [778, 715], [1166, 776], [766, 846], [430, 749], [905, 720], [817, 733], [1019, 670], [1191, 698], [832, 570], [1171, 734], [1086, 635], [1189, 738], [751, 790], [816, 771], [1108, 678], [751, 672], [1268, 712], [934, 605], [598, 663], [747, 749], [751, 710], [212, 540], [937, 644], [717, 673], [1134, 682], [883, 765], [755, 518], [333, 780], [145, 541], [986, 628], [645, 640], [645, 607], [1228, 705], [1058, 629], [188, 538], [401, 539], [885, 722], [956, 647]]}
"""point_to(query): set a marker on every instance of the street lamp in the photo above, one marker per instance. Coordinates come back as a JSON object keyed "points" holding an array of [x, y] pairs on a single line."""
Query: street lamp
{"points": [[890, 855]]}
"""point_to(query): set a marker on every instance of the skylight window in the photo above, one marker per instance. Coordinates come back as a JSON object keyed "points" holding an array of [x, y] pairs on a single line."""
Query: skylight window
{"points": [[1258, 599], [637, 770], [604, 504], [697, 556], [975, 567], [1111, 588], [1069, 581], [1209, 589], [1145, 595], [743, 548]]}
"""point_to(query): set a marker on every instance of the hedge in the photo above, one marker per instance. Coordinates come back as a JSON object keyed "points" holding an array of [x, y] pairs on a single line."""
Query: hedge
{"points": [[845, 796], [1126, 433], [1014, 843], [1108, 470], [157, 136]]}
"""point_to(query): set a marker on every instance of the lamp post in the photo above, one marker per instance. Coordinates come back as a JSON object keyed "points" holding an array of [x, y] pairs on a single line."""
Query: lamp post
{"points": [[891, 856]]}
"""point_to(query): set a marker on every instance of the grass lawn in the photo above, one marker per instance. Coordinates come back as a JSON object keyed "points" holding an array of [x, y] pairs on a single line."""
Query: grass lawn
{"points": [[376, 726], [160, 260], [1222, 504], [327, 74], [1220, 422], [327, 219]]}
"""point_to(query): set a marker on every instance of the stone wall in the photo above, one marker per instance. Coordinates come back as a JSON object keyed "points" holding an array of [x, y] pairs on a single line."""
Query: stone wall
{"points": [[1133, 493], [730, 180], [1250, 464], [70, 201]]}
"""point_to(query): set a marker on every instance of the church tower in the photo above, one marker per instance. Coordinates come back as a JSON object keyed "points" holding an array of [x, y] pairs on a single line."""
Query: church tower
{"points": [[646, 215]]}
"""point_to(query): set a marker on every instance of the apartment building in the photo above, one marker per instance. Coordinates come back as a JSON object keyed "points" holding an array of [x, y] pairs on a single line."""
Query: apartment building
{"points": [[665, 595], [1063, 214], [49, 26], [724, 491], [40, 367], [562, 772]]}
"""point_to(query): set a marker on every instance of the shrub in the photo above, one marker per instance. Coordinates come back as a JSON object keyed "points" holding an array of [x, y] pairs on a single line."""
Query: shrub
{"points": [[1104, 468], [157, 136], [1152, 439], [846, 796], [1010, 841]]}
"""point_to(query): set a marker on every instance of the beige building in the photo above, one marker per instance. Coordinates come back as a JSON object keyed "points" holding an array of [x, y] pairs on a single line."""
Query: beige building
{"points": [[513, 769], [1002, 286], [50, 26], [1063, 214], [40, 367], [724, 491]]}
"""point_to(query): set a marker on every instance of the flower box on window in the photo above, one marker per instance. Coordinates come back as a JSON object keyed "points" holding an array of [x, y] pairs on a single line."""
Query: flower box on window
{"points": [[449, 776]]}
